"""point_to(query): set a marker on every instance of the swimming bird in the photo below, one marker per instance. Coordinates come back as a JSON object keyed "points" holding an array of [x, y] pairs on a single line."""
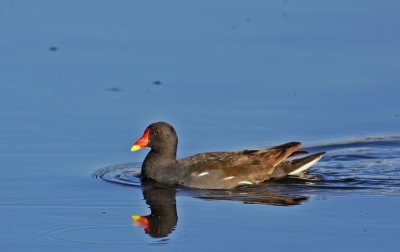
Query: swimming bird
{"points": [[216, 170]]}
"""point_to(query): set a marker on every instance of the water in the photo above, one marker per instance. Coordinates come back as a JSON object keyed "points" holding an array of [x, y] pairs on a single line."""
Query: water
{"points": [[80, 81]]}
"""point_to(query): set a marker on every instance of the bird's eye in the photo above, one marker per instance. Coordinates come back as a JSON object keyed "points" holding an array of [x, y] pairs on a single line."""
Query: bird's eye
{"points": [[157, 132]]}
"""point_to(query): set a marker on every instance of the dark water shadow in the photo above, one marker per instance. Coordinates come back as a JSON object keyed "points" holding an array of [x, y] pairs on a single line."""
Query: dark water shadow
{"points": [[161, 200]]}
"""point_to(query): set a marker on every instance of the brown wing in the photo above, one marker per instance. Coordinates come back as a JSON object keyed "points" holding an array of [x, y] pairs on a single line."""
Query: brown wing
{"points": [[218, 170]]}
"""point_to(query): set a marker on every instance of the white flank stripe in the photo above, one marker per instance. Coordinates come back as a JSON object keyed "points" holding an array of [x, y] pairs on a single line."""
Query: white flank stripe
{"points": [[203, 174], [244, 182], [228, 178]]}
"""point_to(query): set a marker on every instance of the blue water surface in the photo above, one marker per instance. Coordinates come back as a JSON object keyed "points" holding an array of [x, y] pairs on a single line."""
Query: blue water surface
{"points": [[80, 81]]}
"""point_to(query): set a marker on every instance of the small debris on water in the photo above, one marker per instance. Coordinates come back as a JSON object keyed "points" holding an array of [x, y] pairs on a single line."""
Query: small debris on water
{"points": [[53, 48], [114, 89], [158, 83]]}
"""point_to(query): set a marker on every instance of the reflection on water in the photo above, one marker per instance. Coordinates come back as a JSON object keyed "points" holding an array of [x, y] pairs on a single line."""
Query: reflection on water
{"points": [[367, 166], [163, 216]]}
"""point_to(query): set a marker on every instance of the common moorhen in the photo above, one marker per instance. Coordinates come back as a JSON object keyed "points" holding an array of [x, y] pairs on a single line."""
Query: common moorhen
{"points": [[216, 170]]}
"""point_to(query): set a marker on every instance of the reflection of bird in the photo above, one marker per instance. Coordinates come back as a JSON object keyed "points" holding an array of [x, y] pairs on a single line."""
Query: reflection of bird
{"points": [[263, 195], [163, 217], [216, 170]]}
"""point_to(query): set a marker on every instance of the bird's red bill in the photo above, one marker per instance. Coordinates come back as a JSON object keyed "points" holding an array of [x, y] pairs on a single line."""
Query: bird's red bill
{"points": [[142, 142]]}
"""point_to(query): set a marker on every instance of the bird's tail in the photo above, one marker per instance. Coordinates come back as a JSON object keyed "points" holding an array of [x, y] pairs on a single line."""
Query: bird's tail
{"points": [[296, 166]]}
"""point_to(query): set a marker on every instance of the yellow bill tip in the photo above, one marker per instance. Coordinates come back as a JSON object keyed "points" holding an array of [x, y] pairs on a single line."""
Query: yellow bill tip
{"points": [[136, 217], [135, 148]]}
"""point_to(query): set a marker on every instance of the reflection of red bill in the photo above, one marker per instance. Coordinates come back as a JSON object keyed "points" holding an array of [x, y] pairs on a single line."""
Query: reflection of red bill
{"points": [[141, 221]]}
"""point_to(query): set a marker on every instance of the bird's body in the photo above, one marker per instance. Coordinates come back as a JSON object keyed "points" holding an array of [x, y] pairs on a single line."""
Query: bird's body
{"points": [[216, 170]]}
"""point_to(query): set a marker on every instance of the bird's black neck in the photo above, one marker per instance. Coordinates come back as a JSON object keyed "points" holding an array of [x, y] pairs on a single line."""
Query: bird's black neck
{"points": [[155, 161]]}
